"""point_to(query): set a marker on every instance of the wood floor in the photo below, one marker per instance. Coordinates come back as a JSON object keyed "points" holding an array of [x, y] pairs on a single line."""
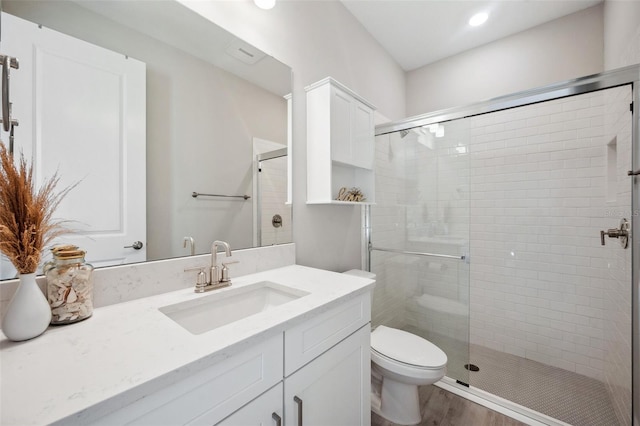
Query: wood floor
{"points": [[442, 408]]}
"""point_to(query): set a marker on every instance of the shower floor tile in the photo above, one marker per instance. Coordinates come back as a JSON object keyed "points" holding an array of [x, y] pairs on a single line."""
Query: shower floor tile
{"points": [[558, 393]]}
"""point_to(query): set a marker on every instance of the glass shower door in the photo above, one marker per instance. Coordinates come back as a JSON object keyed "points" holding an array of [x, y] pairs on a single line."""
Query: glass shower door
{"points": [[420, 237], [536, 188]]}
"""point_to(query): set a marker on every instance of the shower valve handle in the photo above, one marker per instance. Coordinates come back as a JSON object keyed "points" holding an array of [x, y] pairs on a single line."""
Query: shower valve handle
{"points": [[611, 233], [622, 233]]}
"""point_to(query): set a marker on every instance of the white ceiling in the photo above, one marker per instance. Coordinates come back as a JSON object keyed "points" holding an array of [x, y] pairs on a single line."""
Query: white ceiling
{"points": [[419, 32]]}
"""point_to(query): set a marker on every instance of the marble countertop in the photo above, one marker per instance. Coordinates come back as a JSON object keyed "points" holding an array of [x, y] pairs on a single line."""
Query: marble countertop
{"points": [[80, 372]]}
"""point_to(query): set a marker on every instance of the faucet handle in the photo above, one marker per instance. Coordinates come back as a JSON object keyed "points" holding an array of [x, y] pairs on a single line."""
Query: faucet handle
{"points": [[225, 271], [201, 278]]}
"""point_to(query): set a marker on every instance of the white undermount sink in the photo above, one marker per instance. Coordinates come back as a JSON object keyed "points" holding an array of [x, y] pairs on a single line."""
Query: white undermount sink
{"points": [[217, 309]]}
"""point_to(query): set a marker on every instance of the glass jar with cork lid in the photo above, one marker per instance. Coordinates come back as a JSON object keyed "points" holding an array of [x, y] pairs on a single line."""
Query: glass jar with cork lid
{"points": [[69, 285]]}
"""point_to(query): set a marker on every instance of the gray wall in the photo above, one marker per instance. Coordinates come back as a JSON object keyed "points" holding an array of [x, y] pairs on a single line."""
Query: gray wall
{"points": [[568, 47], [621, 33], [318, 39]]}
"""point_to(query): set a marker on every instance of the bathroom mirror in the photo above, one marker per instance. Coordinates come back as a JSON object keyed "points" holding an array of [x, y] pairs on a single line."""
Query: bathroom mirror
{"points": [[212, 114]]}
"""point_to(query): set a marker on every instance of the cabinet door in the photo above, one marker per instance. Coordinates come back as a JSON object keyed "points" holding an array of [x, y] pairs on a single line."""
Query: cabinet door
{"points": [[265, 410], [363, 137], [333, 389], [341, 110]]}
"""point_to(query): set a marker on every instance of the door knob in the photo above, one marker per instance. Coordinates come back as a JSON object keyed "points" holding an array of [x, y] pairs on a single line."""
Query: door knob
{"points": [[137, 245], [621, 233]]}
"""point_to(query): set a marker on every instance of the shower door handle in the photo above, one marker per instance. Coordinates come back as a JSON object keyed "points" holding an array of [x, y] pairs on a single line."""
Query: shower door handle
{"points": [[621, 233]]}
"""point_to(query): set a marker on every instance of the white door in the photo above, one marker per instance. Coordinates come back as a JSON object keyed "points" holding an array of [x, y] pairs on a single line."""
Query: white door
{"points": [[82, 112], [333, 389]]}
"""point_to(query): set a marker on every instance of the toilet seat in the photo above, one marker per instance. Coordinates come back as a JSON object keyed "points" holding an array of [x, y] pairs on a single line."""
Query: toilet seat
{"points": [[391, 345]]}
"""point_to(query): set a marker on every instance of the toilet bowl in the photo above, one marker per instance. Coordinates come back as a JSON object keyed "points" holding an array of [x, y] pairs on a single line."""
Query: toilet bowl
{"points": [[404, 361], [401, 361]]}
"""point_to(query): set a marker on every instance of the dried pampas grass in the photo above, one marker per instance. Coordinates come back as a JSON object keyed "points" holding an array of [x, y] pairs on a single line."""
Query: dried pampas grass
{"points": [[26, 222]]}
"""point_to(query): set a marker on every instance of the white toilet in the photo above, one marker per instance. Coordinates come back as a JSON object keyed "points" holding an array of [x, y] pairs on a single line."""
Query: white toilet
{"points": [[403, 361]]}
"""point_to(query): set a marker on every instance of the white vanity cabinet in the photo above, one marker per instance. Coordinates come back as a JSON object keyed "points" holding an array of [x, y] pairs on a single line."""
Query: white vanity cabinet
{"points": [[327, 370], [321, 364], [333, 389], [340, 143], [209, 395]]}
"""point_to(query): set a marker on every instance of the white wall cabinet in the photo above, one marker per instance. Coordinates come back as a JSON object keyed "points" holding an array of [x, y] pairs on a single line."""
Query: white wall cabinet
{"points": [[324, 362], [340, 143]]}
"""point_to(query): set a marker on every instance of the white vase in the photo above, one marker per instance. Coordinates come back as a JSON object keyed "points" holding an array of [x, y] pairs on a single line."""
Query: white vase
{"points": [[28, 314]]}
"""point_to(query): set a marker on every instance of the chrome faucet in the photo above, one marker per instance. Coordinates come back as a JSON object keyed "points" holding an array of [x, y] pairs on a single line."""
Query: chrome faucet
{"points": [[192, 245], [216, 279], [214, 276]]}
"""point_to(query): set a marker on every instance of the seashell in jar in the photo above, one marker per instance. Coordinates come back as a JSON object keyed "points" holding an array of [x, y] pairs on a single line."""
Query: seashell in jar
{"points": [[83, 274], [71, 296], [61, 314], [58, 284]]}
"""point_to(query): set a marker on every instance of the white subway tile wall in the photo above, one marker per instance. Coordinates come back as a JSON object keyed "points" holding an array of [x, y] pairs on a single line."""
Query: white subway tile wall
{"points": [[273, 197], [539, 244], [525, 192]]}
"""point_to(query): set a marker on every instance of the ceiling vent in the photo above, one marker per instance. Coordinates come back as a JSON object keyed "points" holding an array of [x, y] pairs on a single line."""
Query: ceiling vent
{"points": [[244, 52]]}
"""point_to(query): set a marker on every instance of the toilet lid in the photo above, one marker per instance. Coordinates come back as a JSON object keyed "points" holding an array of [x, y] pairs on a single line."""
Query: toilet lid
{"points": [[407, 348]]}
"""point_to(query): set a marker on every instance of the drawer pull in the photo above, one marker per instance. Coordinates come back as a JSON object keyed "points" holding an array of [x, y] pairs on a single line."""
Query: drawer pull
{"points": [[299, 402], [277, 419]]}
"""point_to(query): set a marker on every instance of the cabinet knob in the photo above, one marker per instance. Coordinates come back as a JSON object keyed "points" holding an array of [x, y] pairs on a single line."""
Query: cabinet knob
{"points": [[299, 402]]}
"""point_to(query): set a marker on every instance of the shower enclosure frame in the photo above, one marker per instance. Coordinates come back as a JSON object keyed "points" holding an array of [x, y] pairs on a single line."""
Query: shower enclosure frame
{"points": [[265, 156], [609, 79]]}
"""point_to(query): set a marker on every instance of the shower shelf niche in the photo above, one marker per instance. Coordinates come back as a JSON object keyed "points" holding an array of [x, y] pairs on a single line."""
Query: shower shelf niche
{"points": [[340, 143]]}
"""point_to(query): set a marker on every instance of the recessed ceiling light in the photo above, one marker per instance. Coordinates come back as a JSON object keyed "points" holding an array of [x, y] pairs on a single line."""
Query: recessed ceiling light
{"points": [[265, 4], [478, 19]]}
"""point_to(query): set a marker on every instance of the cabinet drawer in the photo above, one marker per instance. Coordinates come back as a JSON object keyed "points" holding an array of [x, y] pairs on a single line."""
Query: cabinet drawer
{"points": [[260, 411], [209, 395], [308, 340]]}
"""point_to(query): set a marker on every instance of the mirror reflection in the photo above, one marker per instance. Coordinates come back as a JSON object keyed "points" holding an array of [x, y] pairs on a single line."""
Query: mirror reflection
{"points": [[146, 103]]}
